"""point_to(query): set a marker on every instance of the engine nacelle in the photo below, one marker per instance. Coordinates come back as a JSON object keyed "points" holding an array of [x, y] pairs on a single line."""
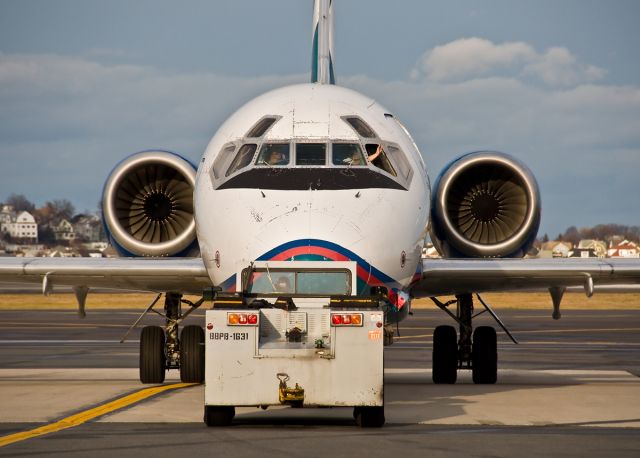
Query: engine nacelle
{"points": [[147, 205], [485, 204]]}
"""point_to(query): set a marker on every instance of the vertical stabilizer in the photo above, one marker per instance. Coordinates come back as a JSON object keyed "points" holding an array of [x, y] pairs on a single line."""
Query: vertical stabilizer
{"points": [[322, 48]]}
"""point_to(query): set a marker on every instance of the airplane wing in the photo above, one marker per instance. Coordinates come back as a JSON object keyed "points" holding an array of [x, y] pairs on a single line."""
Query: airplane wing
{"points": [[441, 277], [184, 275]]}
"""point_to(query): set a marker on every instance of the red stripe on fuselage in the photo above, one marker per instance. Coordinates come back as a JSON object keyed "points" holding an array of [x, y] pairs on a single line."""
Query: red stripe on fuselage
{"points": [[297, 251], [329, 254]]}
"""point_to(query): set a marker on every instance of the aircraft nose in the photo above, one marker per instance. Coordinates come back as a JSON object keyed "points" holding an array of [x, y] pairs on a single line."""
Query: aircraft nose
{"points": [[311, 220]]}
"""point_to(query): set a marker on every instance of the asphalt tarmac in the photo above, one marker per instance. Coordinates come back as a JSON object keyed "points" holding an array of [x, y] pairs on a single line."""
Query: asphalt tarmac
{"points": [[570, 388]]}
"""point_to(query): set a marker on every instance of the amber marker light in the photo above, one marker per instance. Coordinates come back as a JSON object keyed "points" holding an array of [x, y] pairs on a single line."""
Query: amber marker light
{"points": [[242, 319], [346, 319]]}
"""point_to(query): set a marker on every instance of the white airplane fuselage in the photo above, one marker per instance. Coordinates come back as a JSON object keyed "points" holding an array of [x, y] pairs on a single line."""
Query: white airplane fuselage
{"points": [[313, 212]]}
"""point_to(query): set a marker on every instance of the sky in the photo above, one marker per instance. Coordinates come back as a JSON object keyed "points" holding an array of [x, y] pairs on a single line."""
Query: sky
{"points": [[85, 83]]}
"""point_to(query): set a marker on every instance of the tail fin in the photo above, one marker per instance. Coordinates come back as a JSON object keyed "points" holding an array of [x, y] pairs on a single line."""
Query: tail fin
{"points": [[322, 52]]}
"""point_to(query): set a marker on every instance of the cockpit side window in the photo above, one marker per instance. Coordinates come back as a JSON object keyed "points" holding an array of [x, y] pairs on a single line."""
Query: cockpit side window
{"points": [[311, 154], [381, 161], [243, 158], [398, 157], [347, 154], [259, 129], [361, 127], [221, 159], [273, 154]]}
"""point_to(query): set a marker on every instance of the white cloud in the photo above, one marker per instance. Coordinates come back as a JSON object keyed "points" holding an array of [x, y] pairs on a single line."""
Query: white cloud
{"points": [[558, 67], [472, 58], [468, 58]]}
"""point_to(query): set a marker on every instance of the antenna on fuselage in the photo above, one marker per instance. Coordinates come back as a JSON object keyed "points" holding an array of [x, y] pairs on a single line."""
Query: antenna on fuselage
{"points": [[322, 43]]}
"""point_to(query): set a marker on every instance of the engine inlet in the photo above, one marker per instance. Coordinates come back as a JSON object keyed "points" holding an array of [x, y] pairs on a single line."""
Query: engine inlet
{"points": [[486, 204], [148, 204]]}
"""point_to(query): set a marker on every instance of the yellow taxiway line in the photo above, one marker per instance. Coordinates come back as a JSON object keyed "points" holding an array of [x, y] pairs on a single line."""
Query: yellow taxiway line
{"points": [[86, 415]]}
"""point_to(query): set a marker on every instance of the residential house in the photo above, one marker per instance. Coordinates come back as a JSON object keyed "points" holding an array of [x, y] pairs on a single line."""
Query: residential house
{"points": [[88, 228], [578, 252], [7, 216], [555, 249], [63, 230], [24, 227], [589, 248], [624, 249]]}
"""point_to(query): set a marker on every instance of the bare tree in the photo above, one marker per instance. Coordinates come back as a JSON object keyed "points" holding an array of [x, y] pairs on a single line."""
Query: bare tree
{"points": [[571, 235], [64, 208], [20, 203]]}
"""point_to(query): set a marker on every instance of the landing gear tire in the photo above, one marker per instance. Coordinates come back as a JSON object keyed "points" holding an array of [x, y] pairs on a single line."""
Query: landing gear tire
{"points": [[445, 355], [484, 355], [369, 417], [219, 415], [152, 358], [192, 354]]}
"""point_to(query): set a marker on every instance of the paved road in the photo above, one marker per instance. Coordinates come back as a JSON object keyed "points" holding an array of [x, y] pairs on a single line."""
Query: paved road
{"points": [[571, 387]]}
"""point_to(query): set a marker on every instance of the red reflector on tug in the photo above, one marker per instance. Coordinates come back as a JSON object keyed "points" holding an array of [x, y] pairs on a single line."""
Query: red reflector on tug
{"points": [[242, 319], [346, 319]]}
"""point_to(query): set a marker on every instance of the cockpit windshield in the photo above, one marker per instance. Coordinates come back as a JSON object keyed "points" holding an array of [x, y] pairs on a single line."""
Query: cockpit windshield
{"points": [[381, 160], [311, 154], [273, 154], [347, 154], [243, 158]]}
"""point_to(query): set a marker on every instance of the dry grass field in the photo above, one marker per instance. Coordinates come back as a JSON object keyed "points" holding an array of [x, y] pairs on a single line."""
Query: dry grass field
{"points": [[538, 300], [67, 301], [572, 300]]}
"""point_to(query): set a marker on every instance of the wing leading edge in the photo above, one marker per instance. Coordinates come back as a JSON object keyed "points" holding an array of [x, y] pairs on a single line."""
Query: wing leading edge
{"points": [[441, 277], [180, 275]]}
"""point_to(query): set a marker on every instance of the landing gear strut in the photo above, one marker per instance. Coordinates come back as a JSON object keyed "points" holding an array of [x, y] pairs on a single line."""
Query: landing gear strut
{"points": [[475, 350], [172, 312], [162, 349]]}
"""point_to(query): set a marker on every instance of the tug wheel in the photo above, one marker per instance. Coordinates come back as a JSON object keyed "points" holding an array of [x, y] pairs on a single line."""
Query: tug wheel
{"points": [[369, 417], [219, 415]]}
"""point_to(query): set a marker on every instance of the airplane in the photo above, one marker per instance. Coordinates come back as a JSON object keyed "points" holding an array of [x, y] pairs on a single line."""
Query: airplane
{"points": [[319, 172]]}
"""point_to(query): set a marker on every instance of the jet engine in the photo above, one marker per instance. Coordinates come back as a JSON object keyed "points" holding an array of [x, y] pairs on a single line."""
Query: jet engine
{"points": [[147, 205], [485, 204]]}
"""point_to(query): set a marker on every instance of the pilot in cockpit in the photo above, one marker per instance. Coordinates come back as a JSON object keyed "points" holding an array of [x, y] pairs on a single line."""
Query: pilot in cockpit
{"points": [[357, 159], [375, 155], [274, 155]]}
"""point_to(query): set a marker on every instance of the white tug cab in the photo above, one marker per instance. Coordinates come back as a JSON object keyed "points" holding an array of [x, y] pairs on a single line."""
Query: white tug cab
{"points": [[295, 335]]}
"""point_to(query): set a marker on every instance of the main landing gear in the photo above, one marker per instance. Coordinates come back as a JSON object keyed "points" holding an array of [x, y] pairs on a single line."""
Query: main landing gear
{"points": [[162, 349], [475, 349]]}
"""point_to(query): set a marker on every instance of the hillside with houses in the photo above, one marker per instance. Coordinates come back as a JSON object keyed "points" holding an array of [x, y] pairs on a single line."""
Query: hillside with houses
{"points": [[52, 230]]}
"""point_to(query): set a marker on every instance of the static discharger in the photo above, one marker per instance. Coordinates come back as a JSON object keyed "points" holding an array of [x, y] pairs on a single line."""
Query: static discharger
{"points": [[293, 396]]}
